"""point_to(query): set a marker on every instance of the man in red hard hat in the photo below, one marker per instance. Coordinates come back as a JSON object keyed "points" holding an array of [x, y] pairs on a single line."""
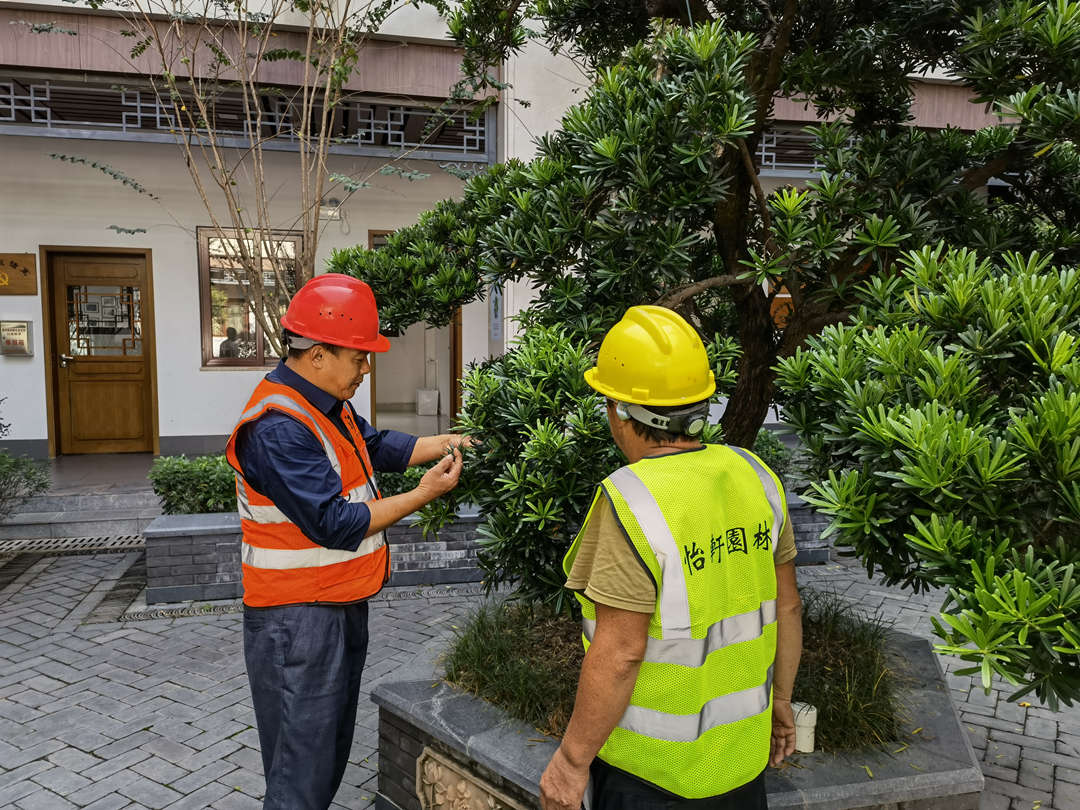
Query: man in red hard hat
{"points": [[313, 549]]}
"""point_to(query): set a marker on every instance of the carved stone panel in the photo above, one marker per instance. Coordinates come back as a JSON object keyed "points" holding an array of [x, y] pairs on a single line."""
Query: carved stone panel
{"points": [[443, 784]]}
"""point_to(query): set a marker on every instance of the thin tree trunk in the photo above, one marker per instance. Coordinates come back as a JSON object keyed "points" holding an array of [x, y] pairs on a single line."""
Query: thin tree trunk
{"points": [[749, 403]]}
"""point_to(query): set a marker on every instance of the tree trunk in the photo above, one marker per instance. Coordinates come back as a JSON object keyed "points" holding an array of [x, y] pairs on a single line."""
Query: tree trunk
{"points": [[749, 404]]}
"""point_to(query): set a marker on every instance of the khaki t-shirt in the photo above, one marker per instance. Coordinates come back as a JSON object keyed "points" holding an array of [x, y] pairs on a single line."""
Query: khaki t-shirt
{"points": [[608, 570]]}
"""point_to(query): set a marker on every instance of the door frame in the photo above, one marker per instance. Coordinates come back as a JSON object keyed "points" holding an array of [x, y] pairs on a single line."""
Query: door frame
{"points": [[455, 351], [46, 253]]}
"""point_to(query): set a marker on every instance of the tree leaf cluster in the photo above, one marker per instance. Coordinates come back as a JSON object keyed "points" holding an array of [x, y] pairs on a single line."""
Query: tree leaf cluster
{"points": [[944, 427]]}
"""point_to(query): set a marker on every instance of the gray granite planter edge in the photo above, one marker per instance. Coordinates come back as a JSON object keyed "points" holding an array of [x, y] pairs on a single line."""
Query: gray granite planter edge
{"points": [[193, 525], [484, 734]]}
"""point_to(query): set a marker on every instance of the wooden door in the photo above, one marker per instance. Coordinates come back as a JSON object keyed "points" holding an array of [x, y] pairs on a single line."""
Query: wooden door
{"points": [[101, 314]]}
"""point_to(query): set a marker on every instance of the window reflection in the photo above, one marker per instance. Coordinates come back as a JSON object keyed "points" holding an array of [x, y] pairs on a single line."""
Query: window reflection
{"points": [[234, 331]]}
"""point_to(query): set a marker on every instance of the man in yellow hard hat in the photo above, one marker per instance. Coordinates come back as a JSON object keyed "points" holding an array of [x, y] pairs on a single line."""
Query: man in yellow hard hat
{"points": [[684, 570]]}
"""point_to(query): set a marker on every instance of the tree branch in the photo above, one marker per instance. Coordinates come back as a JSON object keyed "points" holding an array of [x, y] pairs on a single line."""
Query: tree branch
{"points": [[777, 42], [673, 298], [759, 192]]}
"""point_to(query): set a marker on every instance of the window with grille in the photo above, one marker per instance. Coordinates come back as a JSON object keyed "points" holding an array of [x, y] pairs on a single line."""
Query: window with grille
{"points": [[245, 285]]}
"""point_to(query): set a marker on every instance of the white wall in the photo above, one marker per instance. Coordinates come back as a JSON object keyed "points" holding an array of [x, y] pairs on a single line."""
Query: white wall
{"points": [[47, 202], [551, 84]]}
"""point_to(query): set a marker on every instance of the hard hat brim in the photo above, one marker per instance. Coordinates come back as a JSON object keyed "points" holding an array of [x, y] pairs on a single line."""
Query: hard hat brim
{"points": [[591, 377]]}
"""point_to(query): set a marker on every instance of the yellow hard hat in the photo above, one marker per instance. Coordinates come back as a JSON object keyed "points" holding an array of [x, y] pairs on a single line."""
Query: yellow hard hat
{"points": [[652, 357]]}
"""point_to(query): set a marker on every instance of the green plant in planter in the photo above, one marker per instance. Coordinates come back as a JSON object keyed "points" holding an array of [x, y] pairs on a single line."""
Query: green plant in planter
{"points": [[203, 484], [944, 424], [526, 659], [21, 478]]}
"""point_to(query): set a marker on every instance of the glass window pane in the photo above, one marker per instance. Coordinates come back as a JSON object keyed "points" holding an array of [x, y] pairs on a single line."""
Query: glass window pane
{"points": [[234, 330], [104, 321]]}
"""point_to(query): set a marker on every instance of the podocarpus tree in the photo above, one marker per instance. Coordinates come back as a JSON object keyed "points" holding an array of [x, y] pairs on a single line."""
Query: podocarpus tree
{"points": [[649, 192], [944, 423]]}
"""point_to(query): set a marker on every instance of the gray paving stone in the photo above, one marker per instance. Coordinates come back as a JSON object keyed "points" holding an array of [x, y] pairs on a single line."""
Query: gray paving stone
{"points": [[60, 780], [237, 801], [250, 782], [158, 770], [149, 793], [44, 800], [208, 773], [111, 801], [1020, 740], [1037, 775], [17, 790]]}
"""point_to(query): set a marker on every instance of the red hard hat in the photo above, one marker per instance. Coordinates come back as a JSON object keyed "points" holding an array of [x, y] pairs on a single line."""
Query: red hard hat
{"points": [[336, 309]]}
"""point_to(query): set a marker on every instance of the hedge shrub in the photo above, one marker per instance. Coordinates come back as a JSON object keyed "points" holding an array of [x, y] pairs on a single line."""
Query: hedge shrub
{"points": [[194, 485]]}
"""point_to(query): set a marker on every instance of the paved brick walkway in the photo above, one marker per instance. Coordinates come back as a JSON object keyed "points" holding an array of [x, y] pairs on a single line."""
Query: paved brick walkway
{"points": [[156, 713]]}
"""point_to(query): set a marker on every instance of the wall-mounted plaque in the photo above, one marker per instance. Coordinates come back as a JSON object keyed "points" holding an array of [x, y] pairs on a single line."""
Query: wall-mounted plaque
{"points": [[18, 274], [16, 338]]}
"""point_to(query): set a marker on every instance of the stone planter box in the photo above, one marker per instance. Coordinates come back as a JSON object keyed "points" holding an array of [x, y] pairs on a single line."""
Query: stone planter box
{"points": [[440, 741], [197, 557]]}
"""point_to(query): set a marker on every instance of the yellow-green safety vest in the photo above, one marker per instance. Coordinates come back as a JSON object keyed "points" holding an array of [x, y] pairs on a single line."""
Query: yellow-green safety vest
{"points": [[705, 524]]}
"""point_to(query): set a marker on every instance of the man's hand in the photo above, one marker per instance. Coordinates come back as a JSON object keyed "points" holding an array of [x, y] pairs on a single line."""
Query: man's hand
{"points": [[562, 787], [443, 477], [782, 743], [432, 448]]}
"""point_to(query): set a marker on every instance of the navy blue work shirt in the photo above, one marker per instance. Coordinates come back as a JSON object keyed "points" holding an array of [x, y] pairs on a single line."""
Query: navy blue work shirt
{"points": [[283, 460]]}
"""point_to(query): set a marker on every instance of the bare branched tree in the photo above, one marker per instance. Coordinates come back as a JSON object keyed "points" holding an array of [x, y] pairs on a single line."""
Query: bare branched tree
{"points": [[237, 77]]}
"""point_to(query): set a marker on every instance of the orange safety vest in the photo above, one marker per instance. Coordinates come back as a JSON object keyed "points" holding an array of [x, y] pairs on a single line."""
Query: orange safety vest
{"points": [[281, 565]]}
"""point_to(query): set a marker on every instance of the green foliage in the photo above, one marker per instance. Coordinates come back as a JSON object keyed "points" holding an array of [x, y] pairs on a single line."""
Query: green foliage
{"points": [[198, 485], [21, 478], [391, 483], [643, 195], [845, 672], [545, 446], [522, 658], [944, 424]]}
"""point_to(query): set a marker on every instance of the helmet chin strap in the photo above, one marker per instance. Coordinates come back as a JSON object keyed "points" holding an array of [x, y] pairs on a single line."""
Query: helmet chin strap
{"points": [[297, 342], [689, 422]]}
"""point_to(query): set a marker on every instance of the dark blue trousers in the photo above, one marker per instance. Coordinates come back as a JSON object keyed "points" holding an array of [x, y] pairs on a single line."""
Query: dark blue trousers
{"points": [[304, 664]]}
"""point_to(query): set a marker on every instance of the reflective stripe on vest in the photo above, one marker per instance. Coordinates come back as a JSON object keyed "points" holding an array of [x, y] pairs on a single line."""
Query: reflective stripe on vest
{"points": [[692, 652], [674, 600], [271, 514], [772, 493], [719, 711], [280, 559], [291, 404]]}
